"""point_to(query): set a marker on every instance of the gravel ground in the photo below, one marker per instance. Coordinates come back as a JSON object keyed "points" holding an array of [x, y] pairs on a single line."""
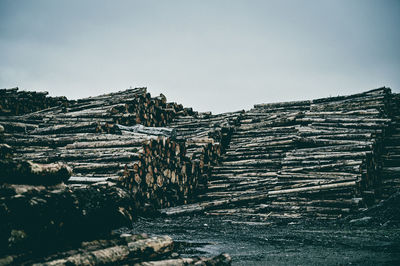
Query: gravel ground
{"points": [[291, 244]]}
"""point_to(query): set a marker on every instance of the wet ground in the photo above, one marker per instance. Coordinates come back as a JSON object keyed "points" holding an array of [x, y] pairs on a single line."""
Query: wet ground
{"points": [[289, 244]]}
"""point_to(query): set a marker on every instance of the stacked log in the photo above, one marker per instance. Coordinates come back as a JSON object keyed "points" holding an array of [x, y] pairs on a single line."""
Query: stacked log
{"points": [[293, 159], [156, 169], [15, 102], [207, 137], [70, 135], [163, 175], [57, 225], [340, 140], [57, 216], [118, 249], [26, 172], [88, 154], [47, 136], [6, 151], [390, 182], [98, 114], [130, 107], [131, 249], [1, 133], [317, 159], [16, 170], [254, 155], [222, 259], [249, 166]]}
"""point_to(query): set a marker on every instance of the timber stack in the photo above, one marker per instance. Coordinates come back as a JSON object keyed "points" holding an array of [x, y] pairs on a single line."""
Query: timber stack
{"points": [[162, 176], [125, 153], [100, 138], [60, 225], [37, 207], [207, 137], [390, 181], [57, 225], [98, 114], [306, 159], [14, 102], [323, 157]]}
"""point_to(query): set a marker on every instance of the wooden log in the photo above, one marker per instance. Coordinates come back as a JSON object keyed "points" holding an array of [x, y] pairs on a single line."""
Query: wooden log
{"points": [[52, 217], [17, 126], [222, 259], [26, 172], [91, 180], [57, 140], [72, 128], [6, 151], [134, 251], [201, 207], [283, 104]]}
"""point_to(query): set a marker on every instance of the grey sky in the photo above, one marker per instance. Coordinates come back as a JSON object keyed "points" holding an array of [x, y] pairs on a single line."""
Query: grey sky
{"points": [[211, 55]]}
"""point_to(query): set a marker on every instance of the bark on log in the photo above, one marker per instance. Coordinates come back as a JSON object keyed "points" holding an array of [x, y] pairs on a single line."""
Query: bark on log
{"points": [[222, 259], [59, 216], [133, 251], [26, 172]]}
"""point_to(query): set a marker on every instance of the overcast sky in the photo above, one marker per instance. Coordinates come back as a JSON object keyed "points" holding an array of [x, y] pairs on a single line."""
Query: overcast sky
{"points": [[211, 55]]}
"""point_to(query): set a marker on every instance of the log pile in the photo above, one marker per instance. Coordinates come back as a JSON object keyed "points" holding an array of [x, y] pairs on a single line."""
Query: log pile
{"points": [[99, 139], [19, 171], [26, 172], [98, 114], [249, 166], [90, 155], [207, 137], [339, 141], [57, 225], [155, 169], [63, 133], [15, 102], [390, 182], [319, 159], [57, 216], [323, 157], [129, 249], [118, 249], [162, 175], [206, 125]]}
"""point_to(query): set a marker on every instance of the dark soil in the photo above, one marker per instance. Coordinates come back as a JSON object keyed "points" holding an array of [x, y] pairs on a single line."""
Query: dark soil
{"points": [[290, 244]]}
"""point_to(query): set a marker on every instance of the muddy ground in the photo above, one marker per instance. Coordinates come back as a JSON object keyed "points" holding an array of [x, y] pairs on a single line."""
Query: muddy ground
{"points": [[285, 244]]}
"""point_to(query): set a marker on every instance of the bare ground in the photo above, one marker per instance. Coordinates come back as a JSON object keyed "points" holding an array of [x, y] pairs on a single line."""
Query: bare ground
{"points": [[335, 243]]}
